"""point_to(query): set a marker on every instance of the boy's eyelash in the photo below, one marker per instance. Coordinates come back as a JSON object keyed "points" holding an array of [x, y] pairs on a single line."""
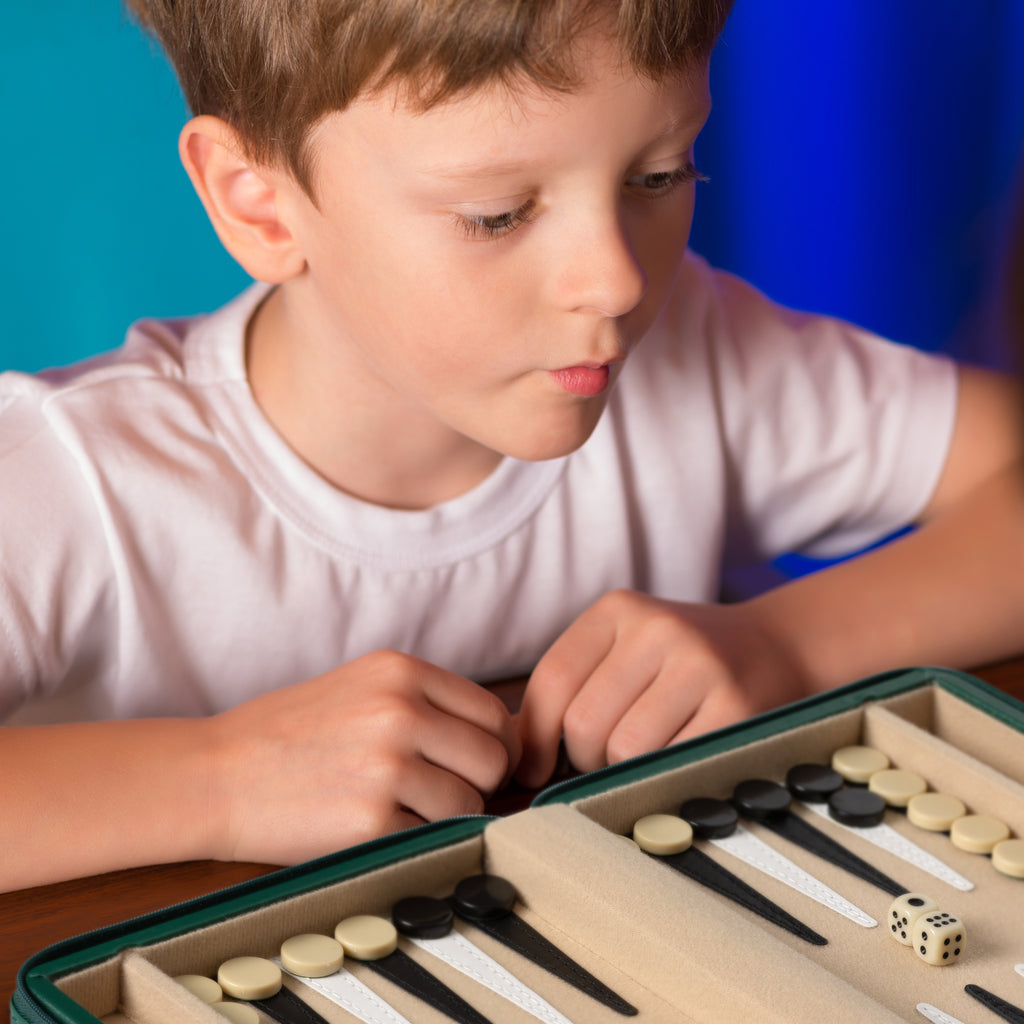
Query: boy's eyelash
{"points": [[662, 182], [495, 225], [486, 226]]}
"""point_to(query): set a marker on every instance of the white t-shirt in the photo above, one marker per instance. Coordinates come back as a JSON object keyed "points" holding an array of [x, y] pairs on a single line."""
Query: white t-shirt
{"points": [[163, 552]]}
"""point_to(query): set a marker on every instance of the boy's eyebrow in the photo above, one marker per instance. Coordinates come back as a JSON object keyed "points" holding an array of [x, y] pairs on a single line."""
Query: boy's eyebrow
{"points": [[470, 171], [677, 122], [690, 123], [474, 171]]}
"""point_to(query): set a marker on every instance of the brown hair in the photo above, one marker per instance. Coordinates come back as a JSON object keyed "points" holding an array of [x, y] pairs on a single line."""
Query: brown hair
{"points": [[273, 68]]}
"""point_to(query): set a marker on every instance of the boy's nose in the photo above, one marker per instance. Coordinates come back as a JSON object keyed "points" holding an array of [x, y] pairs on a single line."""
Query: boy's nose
{"points": [[600, 271]]}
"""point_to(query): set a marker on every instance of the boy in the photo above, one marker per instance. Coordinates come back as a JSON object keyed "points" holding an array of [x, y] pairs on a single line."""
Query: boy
{"points": [[483, 415]]}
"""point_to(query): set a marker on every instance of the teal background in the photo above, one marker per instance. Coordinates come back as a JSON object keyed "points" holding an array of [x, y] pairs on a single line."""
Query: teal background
{"points": [[863, 156], [102, 225]]}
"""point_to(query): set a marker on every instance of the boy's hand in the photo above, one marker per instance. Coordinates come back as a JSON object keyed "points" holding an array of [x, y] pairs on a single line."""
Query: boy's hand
{"points": [[634, 673], [380, 744]]}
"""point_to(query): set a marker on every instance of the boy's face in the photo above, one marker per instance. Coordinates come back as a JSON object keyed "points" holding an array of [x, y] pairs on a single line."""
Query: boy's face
{"points": [[482, 270]]}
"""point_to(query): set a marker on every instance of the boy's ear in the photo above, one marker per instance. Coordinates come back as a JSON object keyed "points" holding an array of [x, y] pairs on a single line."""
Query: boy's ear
{"points": [[241, 200]]}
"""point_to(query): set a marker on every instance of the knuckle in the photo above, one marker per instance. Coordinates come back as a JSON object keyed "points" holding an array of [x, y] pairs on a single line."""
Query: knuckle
{"points": [[580, 720], [372, 820], [384, 769], [390, 665], [733, 704], [394, 715], [552, 674], [494, 768], [615, 602], [624, 744], [495, 714], [663, 627], [368, 817]]}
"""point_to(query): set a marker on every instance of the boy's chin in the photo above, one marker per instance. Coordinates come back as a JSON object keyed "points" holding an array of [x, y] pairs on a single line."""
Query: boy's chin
{"points": [[551, 442]]}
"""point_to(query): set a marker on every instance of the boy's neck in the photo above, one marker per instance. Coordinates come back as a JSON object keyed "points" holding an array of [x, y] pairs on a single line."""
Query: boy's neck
{"points": [[379, 451]]}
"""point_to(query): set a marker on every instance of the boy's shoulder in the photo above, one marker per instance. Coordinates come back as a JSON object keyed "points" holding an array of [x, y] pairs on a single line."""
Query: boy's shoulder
{"points": [[743, 330], [709, 307], [159, 358], [132, 414], [715, 324], [151, 349]]}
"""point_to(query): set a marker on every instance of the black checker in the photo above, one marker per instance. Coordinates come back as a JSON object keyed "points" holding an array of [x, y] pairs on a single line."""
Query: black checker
{"points": [[422, 917], [710, 818], [483, 897], [859, 808], [814, 783], [760, 799]]}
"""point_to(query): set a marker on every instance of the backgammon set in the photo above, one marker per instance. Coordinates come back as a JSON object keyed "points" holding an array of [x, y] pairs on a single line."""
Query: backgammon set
{"points": [[857, 856]]}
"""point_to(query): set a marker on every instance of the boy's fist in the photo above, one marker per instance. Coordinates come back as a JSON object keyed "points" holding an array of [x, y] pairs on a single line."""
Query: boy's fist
{"points": [[380, 744]]}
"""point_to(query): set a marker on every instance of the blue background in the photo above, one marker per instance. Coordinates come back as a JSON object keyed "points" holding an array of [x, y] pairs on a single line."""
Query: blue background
{"points": [[864, 157], [862, 154]]}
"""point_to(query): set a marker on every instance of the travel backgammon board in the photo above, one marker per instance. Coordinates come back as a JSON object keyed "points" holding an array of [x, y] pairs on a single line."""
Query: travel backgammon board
{"points": [[858, 856]]}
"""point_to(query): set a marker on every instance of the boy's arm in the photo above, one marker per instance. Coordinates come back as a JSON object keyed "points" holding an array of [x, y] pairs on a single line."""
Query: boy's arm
{"points": [[952, 592], [634, 673], [84, 799], [988, 436], [377, 745]]}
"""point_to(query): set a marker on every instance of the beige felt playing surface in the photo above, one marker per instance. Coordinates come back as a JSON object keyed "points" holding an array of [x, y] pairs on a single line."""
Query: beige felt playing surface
{"points": [[692, 957]]}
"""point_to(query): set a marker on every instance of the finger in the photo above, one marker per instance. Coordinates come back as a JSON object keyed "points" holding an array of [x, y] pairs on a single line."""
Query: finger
{"points": [[462, 699], [656, 717], [474, 755], [400, 820], [723, 707], [433, 793], [559, 674], [606, 697]]}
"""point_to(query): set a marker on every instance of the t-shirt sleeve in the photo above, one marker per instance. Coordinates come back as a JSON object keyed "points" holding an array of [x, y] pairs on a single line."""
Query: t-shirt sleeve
{"points": [[835, 437], [55, 572]]}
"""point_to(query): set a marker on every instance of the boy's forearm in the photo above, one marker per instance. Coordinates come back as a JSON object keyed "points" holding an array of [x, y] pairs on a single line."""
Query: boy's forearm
{"points": [[83, 799], [952, 593], [392, 740]]}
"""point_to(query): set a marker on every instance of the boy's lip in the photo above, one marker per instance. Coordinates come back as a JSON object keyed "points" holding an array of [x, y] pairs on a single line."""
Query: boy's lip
{"points": [[585, 379]]}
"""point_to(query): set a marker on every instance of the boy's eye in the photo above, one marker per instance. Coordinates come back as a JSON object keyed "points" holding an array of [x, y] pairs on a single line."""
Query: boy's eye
{"points": [[494, 225], [662, 182]]}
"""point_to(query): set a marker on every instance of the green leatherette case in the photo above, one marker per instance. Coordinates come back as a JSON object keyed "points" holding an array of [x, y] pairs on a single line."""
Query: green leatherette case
{"points": [[675, 950]]}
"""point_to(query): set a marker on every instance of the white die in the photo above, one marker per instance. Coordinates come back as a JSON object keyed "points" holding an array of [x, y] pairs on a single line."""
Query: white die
{"points": [[905, 910], [939, 938]]}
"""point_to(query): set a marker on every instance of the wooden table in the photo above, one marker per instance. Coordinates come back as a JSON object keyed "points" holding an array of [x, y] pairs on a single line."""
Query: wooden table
{"points": [[32, 919]]}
